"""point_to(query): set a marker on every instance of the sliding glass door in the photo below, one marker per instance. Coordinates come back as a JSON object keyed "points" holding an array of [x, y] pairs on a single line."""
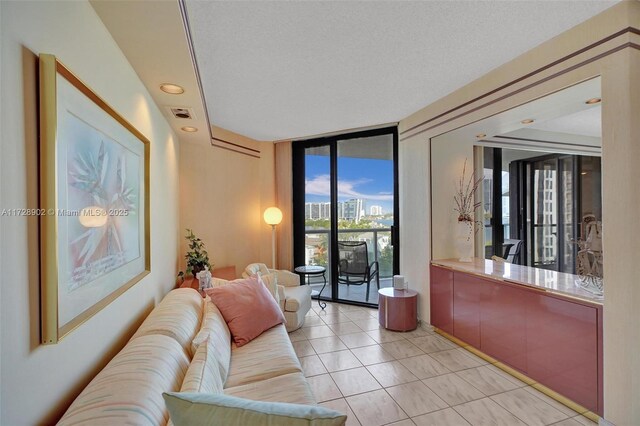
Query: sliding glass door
{"points": [[534, 205], [345, 212]]}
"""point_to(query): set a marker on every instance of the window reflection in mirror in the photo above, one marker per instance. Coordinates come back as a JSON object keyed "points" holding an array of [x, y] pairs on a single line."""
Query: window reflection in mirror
{"points": [[542, 174]]}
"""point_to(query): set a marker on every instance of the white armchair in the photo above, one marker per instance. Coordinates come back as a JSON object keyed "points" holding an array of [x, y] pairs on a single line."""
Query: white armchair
{"points": [[295, 299]]}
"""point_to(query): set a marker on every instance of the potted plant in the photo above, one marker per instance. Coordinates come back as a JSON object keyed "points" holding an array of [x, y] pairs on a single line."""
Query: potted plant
{"points": [[197, 257], [465, 206]]}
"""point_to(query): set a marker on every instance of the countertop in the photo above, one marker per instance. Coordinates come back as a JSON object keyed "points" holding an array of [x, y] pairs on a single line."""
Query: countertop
{"points": [[554, 282]]}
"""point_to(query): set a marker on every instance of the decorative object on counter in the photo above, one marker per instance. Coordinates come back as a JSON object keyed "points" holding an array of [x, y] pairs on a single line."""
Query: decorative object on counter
{"points": [[204, 279], [399, 283], [589, 260], [197, 257], [465, 206]]}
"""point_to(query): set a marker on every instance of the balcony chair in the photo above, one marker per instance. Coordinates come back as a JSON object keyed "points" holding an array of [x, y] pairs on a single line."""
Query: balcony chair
{"points": [[513, 254], [354, 267], [295, 299]]}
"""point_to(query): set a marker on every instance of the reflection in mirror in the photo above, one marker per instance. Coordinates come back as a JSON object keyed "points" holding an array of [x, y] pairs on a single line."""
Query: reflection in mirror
{"points": [[542, 176]]}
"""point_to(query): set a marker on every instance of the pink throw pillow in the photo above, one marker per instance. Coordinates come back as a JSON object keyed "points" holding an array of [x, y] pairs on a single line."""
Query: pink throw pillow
{"points": [[247, 307]]}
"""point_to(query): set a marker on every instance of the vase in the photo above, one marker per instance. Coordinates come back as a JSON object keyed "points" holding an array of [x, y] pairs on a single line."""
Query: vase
{"points": [[464, 241]]}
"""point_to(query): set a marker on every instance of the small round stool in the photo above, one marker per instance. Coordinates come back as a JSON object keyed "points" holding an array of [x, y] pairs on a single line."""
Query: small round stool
{"points": [[398, 309]]}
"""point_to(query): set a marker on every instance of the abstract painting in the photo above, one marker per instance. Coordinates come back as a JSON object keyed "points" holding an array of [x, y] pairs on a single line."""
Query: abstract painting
{"points": [[94, 201]]}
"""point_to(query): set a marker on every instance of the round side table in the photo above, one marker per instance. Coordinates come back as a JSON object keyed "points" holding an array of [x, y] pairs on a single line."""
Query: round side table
{"points": [[398, 309], [313, 271]]}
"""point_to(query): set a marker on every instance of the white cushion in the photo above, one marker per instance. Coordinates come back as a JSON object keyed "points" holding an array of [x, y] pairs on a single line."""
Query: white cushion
{"points": [[270, 281], [254, 268], [203, 374], [197, 409], [297, 298], [215, 331]]}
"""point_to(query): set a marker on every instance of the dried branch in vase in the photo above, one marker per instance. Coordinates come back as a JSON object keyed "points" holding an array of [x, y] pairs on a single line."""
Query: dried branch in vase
{"points": [[465, 196]]}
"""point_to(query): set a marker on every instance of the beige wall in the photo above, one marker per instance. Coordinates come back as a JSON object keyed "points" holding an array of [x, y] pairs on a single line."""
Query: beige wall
{"points": [[223, 194], [621, 204], [284, 201], [38, 382], [529, 77], [448, 155], [1, 203]]}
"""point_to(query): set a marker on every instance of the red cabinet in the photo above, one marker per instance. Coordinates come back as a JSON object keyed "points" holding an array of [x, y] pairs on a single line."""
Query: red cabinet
{"points": [[562, 347], [503, 323], [554, 340], [466, 307], [442, 298]]}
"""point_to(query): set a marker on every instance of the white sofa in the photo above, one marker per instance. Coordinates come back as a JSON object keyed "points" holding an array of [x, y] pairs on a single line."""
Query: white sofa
{"points": [[295, 299], [161, 354]]}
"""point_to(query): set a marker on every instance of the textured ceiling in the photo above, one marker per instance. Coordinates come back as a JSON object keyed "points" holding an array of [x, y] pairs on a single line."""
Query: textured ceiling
{"points": [[276, 70], [585, 123]]}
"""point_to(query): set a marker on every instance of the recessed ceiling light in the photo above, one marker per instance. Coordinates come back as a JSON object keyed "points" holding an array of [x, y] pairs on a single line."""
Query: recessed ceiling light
{"points": [[593, 101], [528, 121], [172, 89], [583, 173], [481, 135], [189, 129]]}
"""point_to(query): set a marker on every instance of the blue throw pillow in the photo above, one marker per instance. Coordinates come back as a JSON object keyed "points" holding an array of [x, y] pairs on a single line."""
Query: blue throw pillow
{"points": [[200, 409]]}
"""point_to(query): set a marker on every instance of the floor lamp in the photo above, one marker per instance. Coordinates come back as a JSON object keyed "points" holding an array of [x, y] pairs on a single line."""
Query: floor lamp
{"points": [[273, 216]]}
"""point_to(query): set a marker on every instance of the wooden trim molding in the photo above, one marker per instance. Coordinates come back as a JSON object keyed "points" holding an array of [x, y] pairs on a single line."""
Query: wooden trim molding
{"points": [[194, 61], [628, 30], [237, 151], [235, 144], [234, 150]]}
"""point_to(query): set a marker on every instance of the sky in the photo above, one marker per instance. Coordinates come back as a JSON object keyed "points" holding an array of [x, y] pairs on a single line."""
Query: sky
{"points": [[371, 180]]}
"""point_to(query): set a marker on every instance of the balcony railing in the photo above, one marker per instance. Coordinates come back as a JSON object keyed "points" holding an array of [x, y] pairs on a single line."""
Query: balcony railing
{"points": [[318, 246]]}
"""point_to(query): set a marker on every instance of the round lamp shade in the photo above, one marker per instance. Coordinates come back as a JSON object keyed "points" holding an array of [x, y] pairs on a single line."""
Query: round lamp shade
{"points": [[93, 217], [272, 216]]}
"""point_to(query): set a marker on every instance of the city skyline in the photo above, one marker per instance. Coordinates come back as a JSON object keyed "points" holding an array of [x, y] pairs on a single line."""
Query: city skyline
{"points": [[370, 180]]}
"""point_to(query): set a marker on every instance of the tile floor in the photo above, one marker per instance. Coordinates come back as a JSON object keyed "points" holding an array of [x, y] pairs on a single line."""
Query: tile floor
{"points": [[355, 293], [380, 377]]}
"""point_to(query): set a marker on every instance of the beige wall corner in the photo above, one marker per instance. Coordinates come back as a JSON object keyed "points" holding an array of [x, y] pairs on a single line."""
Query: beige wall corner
{"points": [[621, 209], [224, 188], [415, 218], [1, 202], [284, 201]]}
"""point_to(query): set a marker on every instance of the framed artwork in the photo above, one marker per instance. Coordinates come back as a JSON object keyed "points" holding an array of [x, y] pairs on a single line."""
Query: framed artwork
{"points": [[94, 202]]}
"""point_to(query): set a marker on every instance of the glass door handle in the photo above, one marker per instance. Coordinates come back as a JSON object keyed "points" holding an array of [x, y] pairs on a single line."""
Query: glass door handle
{"points": [[393, 235]]}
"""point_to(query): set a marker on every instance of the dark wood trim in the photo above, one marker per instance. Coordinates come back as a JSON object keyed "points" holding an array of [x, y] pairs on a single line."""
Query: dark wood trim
{"points": [[235, 144], [507, 145], [539, 140], [194, 61], [234, 150], [524, 88]]}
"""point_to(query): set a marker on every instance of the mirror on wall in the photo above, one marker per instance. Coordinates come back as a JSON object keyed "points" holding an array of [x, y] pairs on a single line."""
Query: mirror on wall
{"points": [[541, 180]]}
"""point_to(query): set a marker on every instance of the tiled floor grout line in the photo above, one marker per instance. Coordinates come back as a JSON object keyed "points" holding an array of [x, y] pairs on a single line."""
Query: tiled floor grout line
{"points": [[468, 354]]}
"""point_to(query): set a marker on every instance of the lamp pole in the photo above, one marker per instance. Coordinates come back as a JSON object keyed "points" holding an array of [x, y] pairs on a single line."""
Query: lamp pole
{"points": [[273, 246]]}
